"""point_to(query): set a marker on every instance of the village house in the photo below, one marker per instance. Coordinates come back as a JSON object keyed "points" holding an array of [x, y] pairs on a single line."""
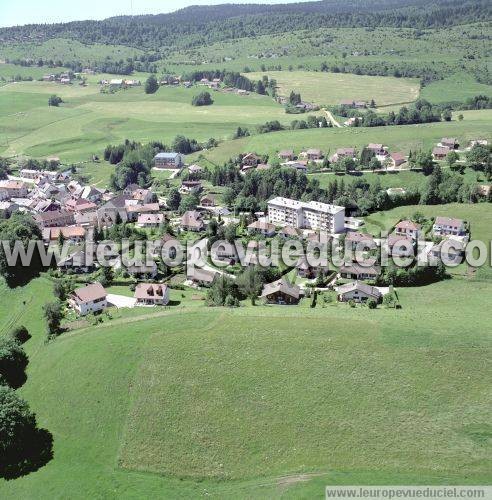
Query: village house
{"points": [[379, 150], [250, 160], [449, 142], [80, 205], [113, 209], [300, 166], [281, 292], [440, 153], [168, 160], [89, 299], [192, 220], [261, 227], [397, 159], [151, 294], [447, 226], [408, 228], [287, 155], [134, 211], [343, 153], [55, 218], [150, 220], [449, 250], [7, 208], [208, 200], [355, 240], [313, 154], [199, 276], [359, 272], [306, 215], [288, 232], [77, 261], [12, 189], [358, 292], [195, 169], [190, 187], [400, 245], [143, 270], [72, 234], [143, 195], [306, 270]]}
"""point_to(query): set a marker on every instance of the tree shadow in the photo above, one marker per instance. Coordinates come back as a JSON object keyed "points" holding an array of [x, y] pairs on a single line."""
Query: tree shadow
{"points": [[35, 452]]}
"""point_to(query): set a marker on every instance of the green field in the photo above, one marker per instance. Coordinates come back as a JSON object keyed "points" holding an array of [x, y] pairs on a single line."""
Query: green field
{"points": [[331, 88], [476, 124], [89, 120], [458, 87], [243, 403]]}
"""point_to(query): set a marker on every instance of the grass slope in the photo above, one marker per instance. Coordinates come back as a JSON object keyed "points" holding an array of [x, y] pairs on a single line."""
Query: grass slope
{"points": [[174, 404], [331, 88]]}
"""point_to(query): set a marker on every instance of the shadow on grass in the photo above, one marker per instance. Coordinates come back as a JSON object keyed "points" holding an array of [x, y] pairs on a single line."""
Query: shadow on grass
{"points": [[36, 452]]}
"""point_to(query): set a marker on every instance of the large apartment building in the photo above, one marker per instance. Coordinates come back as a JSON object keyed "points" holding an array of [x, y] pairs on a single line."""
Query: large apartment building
{"points": [[306, 215]]}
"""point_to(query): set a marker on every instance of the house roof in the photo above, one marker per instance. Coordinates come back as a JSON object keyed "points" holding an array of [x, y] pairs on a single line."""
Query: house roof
{"points": [[289, 231], [355, 268], [166, 156], [146, 207], [438, 150], [68, 232], [361, 287], [150, 291], [192, 218], [198, 274], [408, 225], [283, 286], [150, 218], [89, 293], [355, 236], [398, 156], [261, 226], [448, 221]]}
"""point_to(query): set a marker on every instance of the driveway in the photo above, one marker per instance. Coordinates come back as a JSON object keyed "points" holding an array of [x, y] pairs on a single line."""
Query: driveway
{"points": [[120, 301]]}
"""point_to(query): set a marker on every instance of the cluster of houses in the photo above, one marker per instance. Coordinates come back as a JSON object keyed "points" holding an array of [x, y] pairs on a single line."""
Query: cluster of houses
{"points": [[117, 83], [288, 158], [63, 78], [443, 148]]}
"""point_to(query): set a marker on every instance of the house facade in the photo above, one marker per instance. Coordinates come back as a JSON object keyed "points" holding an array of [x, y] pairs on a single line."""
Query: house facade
{"points": [[168, 160], [89, 299]]}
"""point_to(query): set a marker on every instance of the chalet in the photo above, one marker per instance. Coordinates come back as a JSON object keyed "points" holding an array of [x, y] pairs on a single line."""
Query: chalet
{"points": [[440, 153], [89, 299], [150, 220], [250, 160], [358, 292], [55, 218], [288, 232], [200, 277], [400, 245], [168, 160], [151, 294], [359, 272], [143, 195], [297, 165], [348, 103], [304, 269], [408, 228], [343, 153], [397, 159], [449, 142], [261, 227], [314, 154], [358, 241], [134, 211], [281, 292], [77, 261], [12, 189], [144, 270], [446, 226], [377, 149], [360, 104], [286, 155], [448, 250], [192, 220], [190, 187], [7, 208], [195, 169], [73, 234], [80, 205], [113, 209], [208, 200]]}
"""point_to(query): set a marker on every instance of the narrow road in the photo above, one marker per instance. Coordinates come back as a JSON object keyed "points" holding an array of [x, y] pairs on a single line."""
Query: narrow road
{"points": [[331, 118]]}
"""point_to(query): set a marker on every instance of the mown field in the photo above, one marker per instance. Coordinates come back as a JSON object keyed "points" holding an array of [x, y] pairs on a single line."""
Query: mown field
{"points": [[331, 88], [243, 403], [89, 120], [398, 138]]}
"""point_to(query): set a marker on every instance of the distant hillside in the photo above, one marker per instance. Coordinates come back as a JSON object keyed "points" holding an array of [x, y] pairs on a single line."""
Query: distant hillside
{"points": [[195, 26]]}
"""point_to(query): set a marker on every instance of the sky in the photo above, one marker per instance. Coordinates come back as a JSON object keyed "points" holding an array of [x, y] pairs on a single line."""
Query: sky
{"points": [[15, 12]]}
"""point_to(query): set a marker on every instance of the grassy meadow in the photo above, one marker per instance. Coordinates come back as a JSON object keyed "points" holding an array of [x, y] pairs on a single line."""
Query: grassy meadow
{"points": [[259, 401], [331, 88]]}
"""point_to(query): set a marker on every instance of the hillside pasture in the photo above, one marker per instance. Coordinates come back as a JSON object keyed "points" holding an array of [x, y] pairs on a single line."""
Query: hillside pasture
{"points": [[170, 404], [331, 88]]}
